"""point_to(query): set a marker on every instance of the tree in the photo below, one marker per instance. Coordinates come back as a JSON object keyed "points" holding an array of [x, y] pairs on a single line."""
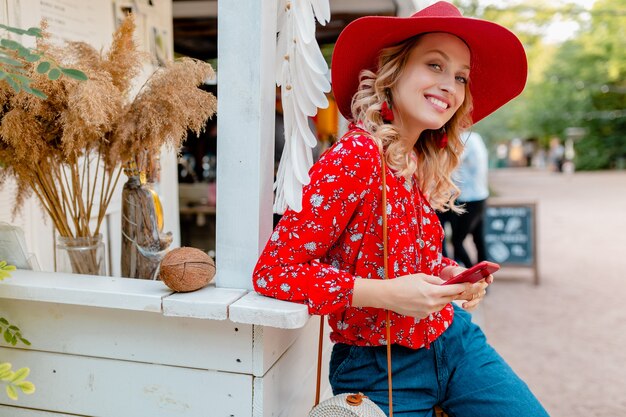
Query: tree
{"points": [[580, 82], [530, 21], [603, 49]]}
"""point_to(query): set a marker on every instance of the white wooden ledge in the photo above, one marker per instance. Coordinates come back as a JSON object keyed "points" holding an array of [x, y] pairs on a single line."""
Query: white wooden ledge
{"points": [[257, 309], [209, 303], [85, 290]]}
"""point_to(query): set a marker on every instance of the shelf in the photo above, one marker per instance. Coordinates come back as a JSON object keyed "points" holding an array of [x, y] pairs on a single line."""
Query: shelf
{"points": [[209, 303]]}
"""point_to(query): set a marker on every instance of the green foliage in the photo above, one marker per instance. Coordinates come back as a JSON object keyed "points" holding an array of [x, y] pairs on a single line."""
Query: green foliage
{"points": [[605, 145], [578, 83], [5, 270], [11, 333], [15, 381], [13, 55]]}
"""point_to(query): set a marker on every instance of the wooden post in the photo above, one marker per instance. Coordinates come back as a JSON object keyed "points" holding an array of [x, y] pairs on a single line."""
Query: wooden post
{"points": [[246, 107]]}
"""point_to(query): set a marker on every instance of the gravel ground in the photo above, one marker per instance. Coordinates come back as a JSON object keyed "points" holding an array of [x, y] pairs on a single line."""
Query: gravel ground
{"points": [[567, 337]]}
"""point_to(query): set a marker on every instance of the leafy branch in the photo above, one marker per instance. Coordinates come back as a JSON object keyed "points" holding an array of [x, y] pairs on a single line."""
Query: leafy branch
{"points": [[11, 333], [13, 55], [5, 270], [15, 380]]}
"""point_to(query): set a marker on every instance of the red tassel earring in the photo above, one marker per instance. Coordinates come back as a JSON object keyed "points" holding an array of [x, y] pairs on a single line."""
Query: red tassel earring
{"points": [[386, 113], [442, 139]]}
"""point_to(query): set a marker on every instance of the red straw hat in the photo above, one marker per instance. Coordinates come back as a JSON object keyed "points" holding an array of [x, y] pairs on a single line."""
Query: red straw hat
{"points": [[498, 61]]}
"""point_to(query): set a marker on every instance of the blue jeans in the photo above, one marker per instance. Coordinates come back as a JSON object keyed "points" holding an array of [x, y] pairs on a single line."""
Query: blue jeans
{"points": [[460, 372]]}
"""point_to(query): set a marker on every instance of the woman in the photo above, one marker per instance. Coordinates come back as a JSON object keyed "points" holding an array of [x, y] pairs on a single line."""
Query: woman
{"points": [[410, 86]]}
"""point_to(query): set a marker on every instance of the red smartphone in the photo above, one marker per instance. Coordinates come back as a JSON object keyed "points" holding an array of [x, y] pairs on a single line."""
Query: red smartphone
{"points": [[474, 274]]}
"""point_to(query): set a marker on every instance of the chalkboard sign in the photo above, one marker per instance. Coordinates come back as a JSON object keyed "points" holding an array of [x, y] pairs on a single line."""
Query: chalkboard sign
{"points": [[510, 234]]}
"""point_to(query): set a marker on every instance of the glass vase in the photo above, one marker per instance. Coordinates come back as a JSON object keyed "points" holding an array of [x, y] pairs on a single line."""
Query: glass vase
{"points": [[81, 255], [143, 242]]}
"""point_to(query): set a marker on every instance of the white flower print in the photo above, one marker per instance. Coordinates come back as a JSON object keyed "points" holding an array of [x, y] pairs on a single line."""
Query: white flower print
{"points": [[275, 236], [381, 272], [310, 246], [285, 287], [356, 237], [261, 283], [317, 200], [342, 325], [334, 288]]}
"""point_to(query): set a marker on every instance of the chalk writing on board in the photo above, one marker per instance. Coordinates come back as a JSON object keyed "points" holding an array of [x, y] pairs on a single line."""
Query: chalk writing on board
{"points": [[508, 234]]}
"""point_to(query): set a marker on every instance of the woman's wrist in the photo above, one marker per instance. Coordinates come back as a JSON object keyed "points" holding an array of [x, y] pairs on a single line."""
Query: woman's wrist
{"points": [[369, 293]]}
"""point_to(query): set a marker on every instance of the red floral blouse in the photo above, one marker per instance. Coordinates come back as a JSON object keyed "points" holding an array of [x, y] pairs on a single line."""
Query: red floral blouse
{"points": [[314, 256]]}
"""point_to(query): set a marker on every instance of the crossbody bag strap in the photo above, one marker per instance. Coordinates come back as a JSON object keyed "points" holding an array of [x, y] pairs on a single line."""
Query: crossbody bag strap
{"points": [[386, 276], [387, 319]]}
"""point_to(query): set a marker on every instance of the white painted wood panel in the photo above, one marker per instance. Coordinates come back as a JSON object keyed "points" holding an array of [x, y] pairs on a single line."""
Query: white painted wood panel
{"points": [[132, 335], [269, 344], [288, 389], [110, 388], [207, 303], [257, 309], [245, 134], [8, 411], [87, 290], [145, 295]]}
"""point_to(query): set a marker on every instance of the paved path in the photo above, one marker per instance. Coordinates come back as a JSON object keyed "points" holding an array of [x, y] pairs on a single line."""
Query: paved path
{"points": [[567, 337]]}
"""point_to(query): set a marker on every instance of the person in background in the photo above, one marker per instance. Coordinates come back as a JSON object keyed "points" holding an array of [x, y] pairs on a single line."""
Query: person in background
{"points": [[557, 154], [472, 179], [409, 85]]}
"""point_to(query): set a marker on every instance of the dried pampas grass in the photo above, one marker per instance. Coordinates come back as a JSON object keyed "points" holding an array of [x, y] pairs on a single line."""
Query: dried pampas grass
{"points": [[70, 149]]}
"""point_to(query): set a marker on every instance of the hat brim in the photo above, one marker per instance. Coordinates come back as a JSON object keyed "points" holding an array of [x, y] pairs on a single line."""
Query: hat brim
{"points": [[498, 68]]}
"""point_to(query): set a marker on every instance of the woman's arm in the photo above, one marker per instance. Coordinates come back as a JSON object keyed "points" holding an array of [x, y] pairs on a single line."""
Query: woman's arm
{"points": [[289, 267], [415, 295]]}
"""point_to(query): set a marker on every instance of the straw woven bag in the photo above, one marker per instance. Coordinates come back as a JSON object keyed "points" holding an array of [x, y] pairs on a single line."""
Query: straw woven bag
{"points": [[356, 405], [347, 405]]}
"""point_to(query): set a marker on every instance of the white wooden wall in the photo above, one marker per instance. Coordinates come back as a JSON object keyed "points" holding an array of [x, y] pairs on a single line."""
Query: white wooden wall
{"points": [[245, 131], [155, 353]]}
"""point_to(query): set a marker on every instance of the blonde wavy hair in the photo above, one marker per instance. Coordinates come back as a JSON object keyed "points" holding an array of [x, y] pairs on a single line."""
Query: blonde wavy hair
{"points": [[434, 166]]}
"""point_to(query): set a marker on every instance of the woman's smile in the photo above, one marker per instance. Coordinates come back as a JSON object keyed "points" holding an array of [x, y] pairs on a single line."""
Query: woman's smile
{"points": [[438, 102]]}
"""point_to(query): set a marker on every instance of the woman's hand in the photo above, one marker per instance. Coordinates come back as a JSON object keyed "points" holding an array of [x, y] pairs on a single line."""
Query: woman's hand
{"points": [[416, 295], [474, 293]]}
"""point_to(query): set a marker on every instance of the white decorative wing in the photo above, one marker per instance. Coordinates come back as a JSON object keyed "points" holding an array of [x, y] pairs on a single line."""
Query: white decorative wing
{"points": [[301, 73]]}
